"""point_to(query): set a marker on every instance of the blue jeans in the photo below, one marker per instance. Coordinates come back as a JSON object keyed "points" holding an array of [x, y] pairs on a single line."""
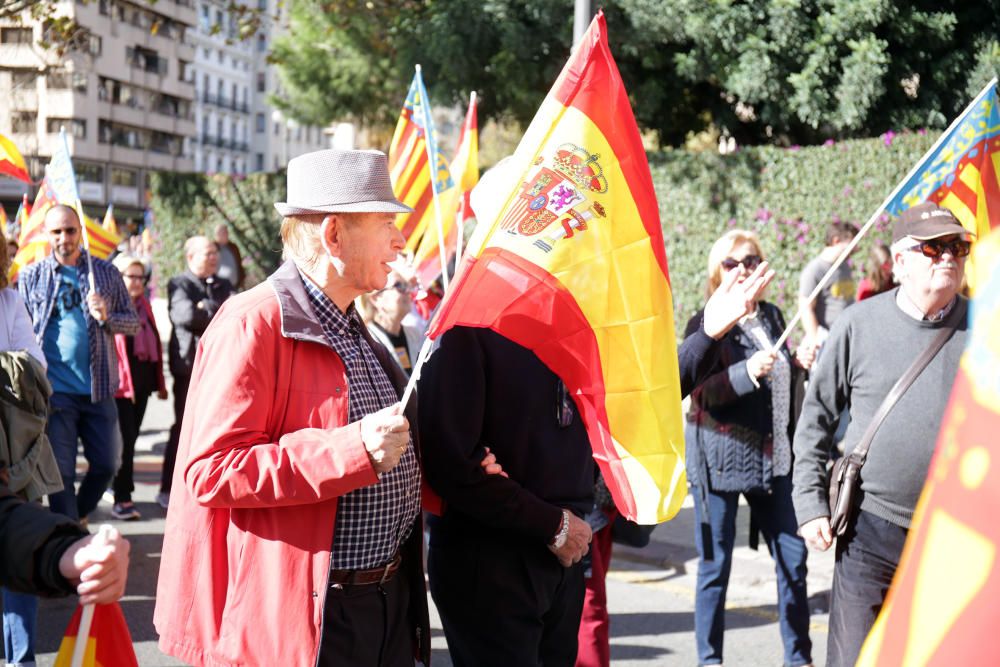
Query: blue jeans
{"points": [[20, 612], [868, 554], [96, 424], [776, 518]]}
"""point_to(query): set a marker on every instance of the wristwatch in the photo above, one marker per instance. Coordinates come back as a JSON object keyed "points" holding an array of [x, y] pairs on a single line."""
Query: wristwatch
{"points": [[560, 539]]}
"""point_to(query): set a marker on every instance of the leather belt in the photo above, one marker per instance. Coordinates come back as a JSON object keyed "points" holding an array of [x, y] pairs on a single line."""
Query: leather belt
{"points": [[375, 575]]}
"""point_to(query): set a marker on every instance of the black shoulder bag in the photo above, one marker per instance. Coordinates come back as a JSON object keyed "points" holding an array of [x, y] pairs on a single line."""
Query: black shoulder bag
{"points": [[845, 475]]}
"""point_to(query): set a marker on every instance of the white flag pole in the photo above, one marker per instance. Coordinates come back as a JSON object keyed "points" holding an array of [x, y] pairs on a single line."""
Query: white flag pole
{"points": [[87, 615], [871, 221], [425, 351], [432, 168]]}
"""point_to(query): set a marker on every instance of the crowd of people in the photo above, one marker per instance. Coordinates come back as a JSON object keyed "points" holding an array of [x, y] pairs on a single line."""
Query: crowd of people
{"points": [[293, 472]]}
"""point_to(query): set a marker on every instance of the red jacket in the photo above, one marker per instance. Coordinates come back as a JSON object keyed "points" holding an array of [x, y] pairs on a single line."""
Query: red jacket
{"points": [[265, 452]]}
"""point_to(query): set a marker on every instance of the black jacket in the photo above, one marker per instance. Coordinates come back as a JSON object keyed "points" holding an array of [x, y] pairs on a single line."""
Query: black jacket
{"points": [[184, 293], [729, 432], [480, 389], [32, 539]]}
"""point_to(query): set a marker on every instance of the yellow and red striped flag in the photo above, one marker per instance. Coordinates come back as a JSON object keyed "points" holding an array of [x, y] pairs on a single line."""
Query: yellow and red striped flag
{"points": [[33, 244], [455, 208], [574, 268], [411, 178], [944, 603], [963, 173], [11, 162], [109, 644]]}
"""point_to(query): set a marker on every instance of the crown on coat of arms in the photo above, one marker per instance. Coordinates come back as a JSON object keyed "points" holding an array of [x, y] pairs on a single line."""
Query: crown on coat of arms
{"points": [[581, 167]]}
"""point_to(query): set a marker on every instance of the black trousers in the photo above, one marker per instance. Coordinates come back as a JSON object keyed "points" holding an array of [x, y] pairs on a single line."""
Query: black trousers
{"points": [[867, 557], [368, 625], [181, 384], [129, 420], [505, 604]]}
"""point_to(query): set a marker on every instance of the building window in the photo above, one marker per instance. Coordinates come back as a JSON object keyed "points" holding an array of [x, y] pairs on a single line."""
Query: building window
{"points": [[260, 162], [23, 122], [184, 71], [15, 36], [61, 79], [261, 43], [145, 59], [261, 82], [74, 126], [128, 178], [205, 19], [88, 172], [24, 79]]}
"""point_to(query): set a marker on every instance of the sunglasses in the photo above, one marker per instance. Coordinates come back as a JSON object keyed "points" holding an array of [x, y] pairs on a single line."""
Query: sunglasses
{"points": [[751, 262], [935, 248]]}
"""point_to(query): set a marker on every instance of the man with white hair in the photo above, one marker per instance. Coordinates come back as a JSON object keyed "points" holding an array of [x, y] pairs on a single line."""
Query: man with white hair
{"points": [[294, 534], [871, 345]]}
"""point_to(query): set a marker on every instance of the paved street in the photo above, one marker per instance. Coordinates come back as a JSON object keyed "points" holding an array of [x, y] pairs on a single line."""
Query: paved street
{"points": [[650, 591]]}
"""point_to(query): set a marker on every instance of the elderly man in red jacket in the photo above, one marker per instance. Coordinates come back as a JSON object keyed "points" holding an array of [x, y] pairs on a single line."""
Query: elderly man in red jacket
{"points": [[294, 530]]}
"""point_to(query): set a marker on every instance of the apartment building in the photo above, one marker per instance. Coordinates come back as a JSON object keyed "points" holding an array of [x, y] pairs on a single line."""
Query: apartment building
{"points": [[276, 139], [224, 71], [124, 94]]}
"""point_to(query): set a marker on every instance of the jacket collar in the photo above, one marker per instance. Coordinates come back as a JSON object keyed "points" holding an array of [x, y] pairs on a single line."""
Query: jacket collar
{"points": [[298, 320]]}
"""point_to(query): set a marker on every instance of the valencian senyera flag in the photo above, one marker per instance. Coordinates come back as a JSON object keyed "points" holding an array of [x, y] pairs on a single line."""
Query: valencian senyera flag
{"points": [[57, 187], [455, 207], [573, 267], [11, 162], [412, 142], [109, 643], [944, 604], [963, 173]]}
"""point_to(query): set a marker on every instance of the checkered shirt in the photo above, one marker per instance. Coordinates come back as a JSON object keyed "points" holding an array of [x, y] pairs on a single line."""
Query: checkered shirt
{"points": [[372, 522]]}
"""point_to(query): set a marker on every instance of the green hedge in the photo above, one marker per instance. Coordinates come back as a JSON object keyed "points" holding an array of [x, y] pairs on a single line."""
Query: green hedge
{"points": [[786, 195]]}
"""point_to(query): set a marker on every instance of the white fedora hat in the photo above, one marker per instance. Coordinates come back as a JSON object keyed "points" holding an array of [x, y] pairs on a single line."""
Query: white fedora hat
{"points": [[337, 181]]}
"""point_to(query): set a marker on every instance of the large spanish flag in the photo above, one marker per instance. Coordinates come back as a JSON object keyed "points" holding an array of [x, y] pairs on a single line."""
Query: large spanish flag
{"points": [[412, 142], [962, 172], [11, 162], [455, 207], [944, 604], [574, 268], [109, 643]]}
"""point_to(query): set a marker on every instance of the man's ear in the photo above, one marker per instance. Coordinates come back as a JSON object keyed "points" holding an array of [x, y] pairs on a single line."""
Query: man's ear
{"points": [[330, 231]]}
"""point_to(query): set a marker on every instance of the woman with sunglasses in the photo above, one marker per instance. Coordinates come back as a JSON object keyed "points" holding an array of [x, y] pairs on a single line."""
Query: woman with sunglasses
{"points": [[140, 373], [738, 439]]}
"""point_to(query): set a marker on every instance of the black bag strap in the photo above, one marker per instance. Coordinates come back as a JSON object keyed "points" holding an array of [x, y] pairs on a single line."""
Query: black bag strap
{"points": [[860, 452]]}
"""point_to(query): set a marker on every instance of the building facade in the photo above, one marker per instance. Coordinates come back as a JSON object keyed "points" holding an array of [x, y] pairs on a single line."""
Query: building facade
{"points": [[124, 94]]}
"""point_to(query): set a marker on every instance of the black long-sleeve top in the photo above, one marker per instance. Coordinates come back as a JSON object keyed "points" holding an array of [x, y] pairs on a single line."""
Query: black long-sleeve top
{"points": [[32, 540]]}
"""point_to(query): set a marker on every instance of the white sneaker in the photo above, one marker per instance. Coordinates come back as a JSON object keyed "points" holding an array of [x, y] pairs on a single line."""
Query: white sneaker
{"points": [[163, 499], [109, 496]]}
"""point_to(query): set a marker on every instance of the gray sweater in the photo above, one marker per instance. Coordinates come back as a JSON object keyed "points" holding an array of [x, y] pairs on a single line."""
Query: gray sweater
{"points": [[870, 346]]}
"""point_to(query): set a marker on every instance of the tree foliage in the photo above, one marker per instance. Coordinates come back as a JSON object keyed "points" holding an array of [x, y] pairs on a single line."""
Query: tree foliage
{"points": [[186, 205], [781, 71]]}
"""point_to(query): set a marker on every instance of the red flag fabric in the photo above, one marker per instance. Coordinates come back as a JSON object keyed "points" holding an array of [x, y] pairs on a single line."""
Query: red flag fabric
{"points": [[109, 644], [573, 267]]}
